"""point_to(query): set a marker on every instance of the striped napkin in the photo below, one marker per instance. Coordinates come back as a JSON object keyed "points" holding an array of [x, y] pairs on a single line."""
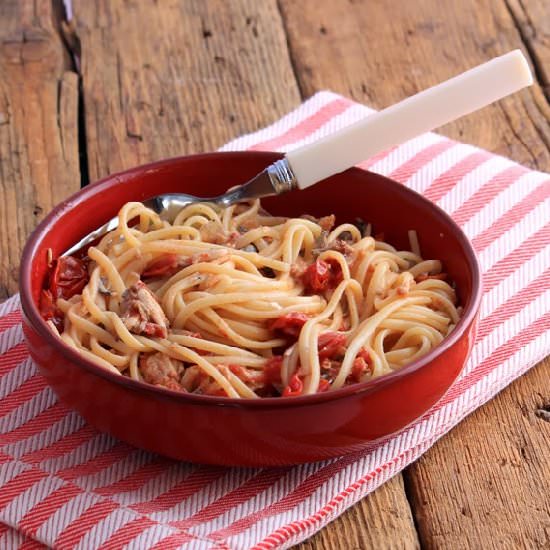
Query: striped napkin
{"points": [[64, 485]]}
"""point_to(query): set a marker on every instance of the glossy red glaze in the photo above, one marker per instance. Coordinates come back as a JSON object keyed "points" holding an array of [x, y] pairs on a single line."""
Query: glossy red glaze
{"points": [[262, 432]]}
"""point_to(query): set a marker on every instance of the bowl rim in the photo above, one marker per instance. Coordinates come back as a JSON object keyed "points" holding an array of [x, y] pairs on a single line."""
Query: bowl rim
{"points": [[32, 314]]}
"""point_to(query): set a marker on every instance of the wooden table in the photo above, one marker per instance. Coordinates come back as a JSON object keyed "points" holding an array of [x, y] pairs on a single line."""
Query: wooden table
{"points": [[161, 78]]}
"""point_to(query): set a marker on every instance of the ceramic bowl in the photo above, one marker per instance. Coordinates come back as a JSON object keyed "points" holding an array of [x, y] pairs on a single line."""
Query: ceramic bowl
{"points": [[262, 432]]}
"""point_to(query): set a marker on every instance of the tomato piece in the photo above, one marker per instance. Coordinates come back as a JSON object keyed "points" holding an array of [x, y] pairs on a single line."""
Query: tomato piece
{"points": [[336, 275], [361, 365], [47, 305], [235, 369], [316, 277], [240, 372], [155, 330], [324, 385], [290, 324], [359, 368], [69, 277], [165, 265], [294, 388], [331, 344], [49, 310], [322, 275], [272, 370]]}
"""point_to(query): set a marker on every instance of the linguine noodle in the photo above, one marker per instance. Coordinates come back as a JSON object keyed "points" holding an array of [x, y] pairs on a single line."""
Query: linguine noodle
{"points": [[235, 302]]}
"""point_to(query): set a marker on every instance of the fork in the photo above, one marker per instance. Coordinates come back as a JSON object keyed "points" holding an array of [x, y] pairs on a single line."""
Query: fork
{"points": [[374, 134]]}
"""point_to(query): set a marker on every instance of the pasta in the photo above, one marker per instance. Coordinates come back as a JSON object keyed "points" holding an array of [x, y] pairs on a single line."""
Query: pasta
{"points": [[235, 302]]}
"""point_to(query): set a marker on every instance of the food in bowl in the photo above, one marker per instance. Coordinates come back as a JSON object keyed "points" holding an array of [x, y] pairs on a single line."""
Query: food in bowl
{"points": [[234, 302], [252, 432]]}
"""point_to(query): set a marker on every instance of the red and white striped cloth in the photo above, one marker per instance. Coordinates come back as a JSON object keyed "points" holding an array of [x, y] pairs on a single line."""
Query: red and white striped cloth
{"points": [[64, 485]]}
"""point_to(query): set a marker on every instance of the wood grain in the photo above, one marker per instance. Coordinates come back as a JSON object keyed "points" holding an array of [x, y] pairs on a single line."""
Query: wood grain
{"points": [[38, 126], [485, 484], [171, 78], [533, 22]]}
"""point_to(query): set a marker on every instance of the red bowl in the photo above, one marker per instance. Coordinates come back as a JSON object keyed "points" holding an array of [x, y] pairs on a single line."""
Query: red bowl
{"points": [[262, 432]]}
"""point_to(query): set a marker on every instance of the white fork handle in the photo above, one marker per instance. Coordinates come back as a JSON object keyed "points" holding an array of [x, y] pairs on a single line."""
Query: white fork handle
{"points": [[411, 117]]}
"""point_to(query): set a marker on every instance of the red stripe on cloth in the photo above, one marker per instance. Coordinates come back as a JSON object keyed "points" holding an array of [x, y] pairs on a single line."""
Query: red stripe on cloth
{"points": [[37, 424], [62, 446], [413, 165], [21, 482], [448, 180], [307, 487], [512, 261], [100, 462], [307, 126], [285, 533], [503, 352], [136, 480], [71, 535], [30, 544], [122, 536], [514, 304], [40, 512], [512, 216], [28, 389], [173, 541], [10, 320], [13, 357], [5, 458], [14, 535], [192, 484], [259, 483], [487, 192]]}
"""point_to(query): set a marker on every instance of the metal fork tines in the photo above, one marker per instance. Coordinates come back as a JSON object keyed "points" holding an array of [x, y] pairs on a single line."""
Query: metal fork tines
{"points": [[277, 178]]}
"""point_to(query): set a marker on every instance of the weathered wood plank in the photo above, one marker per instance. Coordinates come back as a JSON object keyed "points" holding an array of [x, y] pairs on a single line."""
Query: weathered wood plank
{"points": [[170, 78], [483, 492], [38, 126], [532, 19]]}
